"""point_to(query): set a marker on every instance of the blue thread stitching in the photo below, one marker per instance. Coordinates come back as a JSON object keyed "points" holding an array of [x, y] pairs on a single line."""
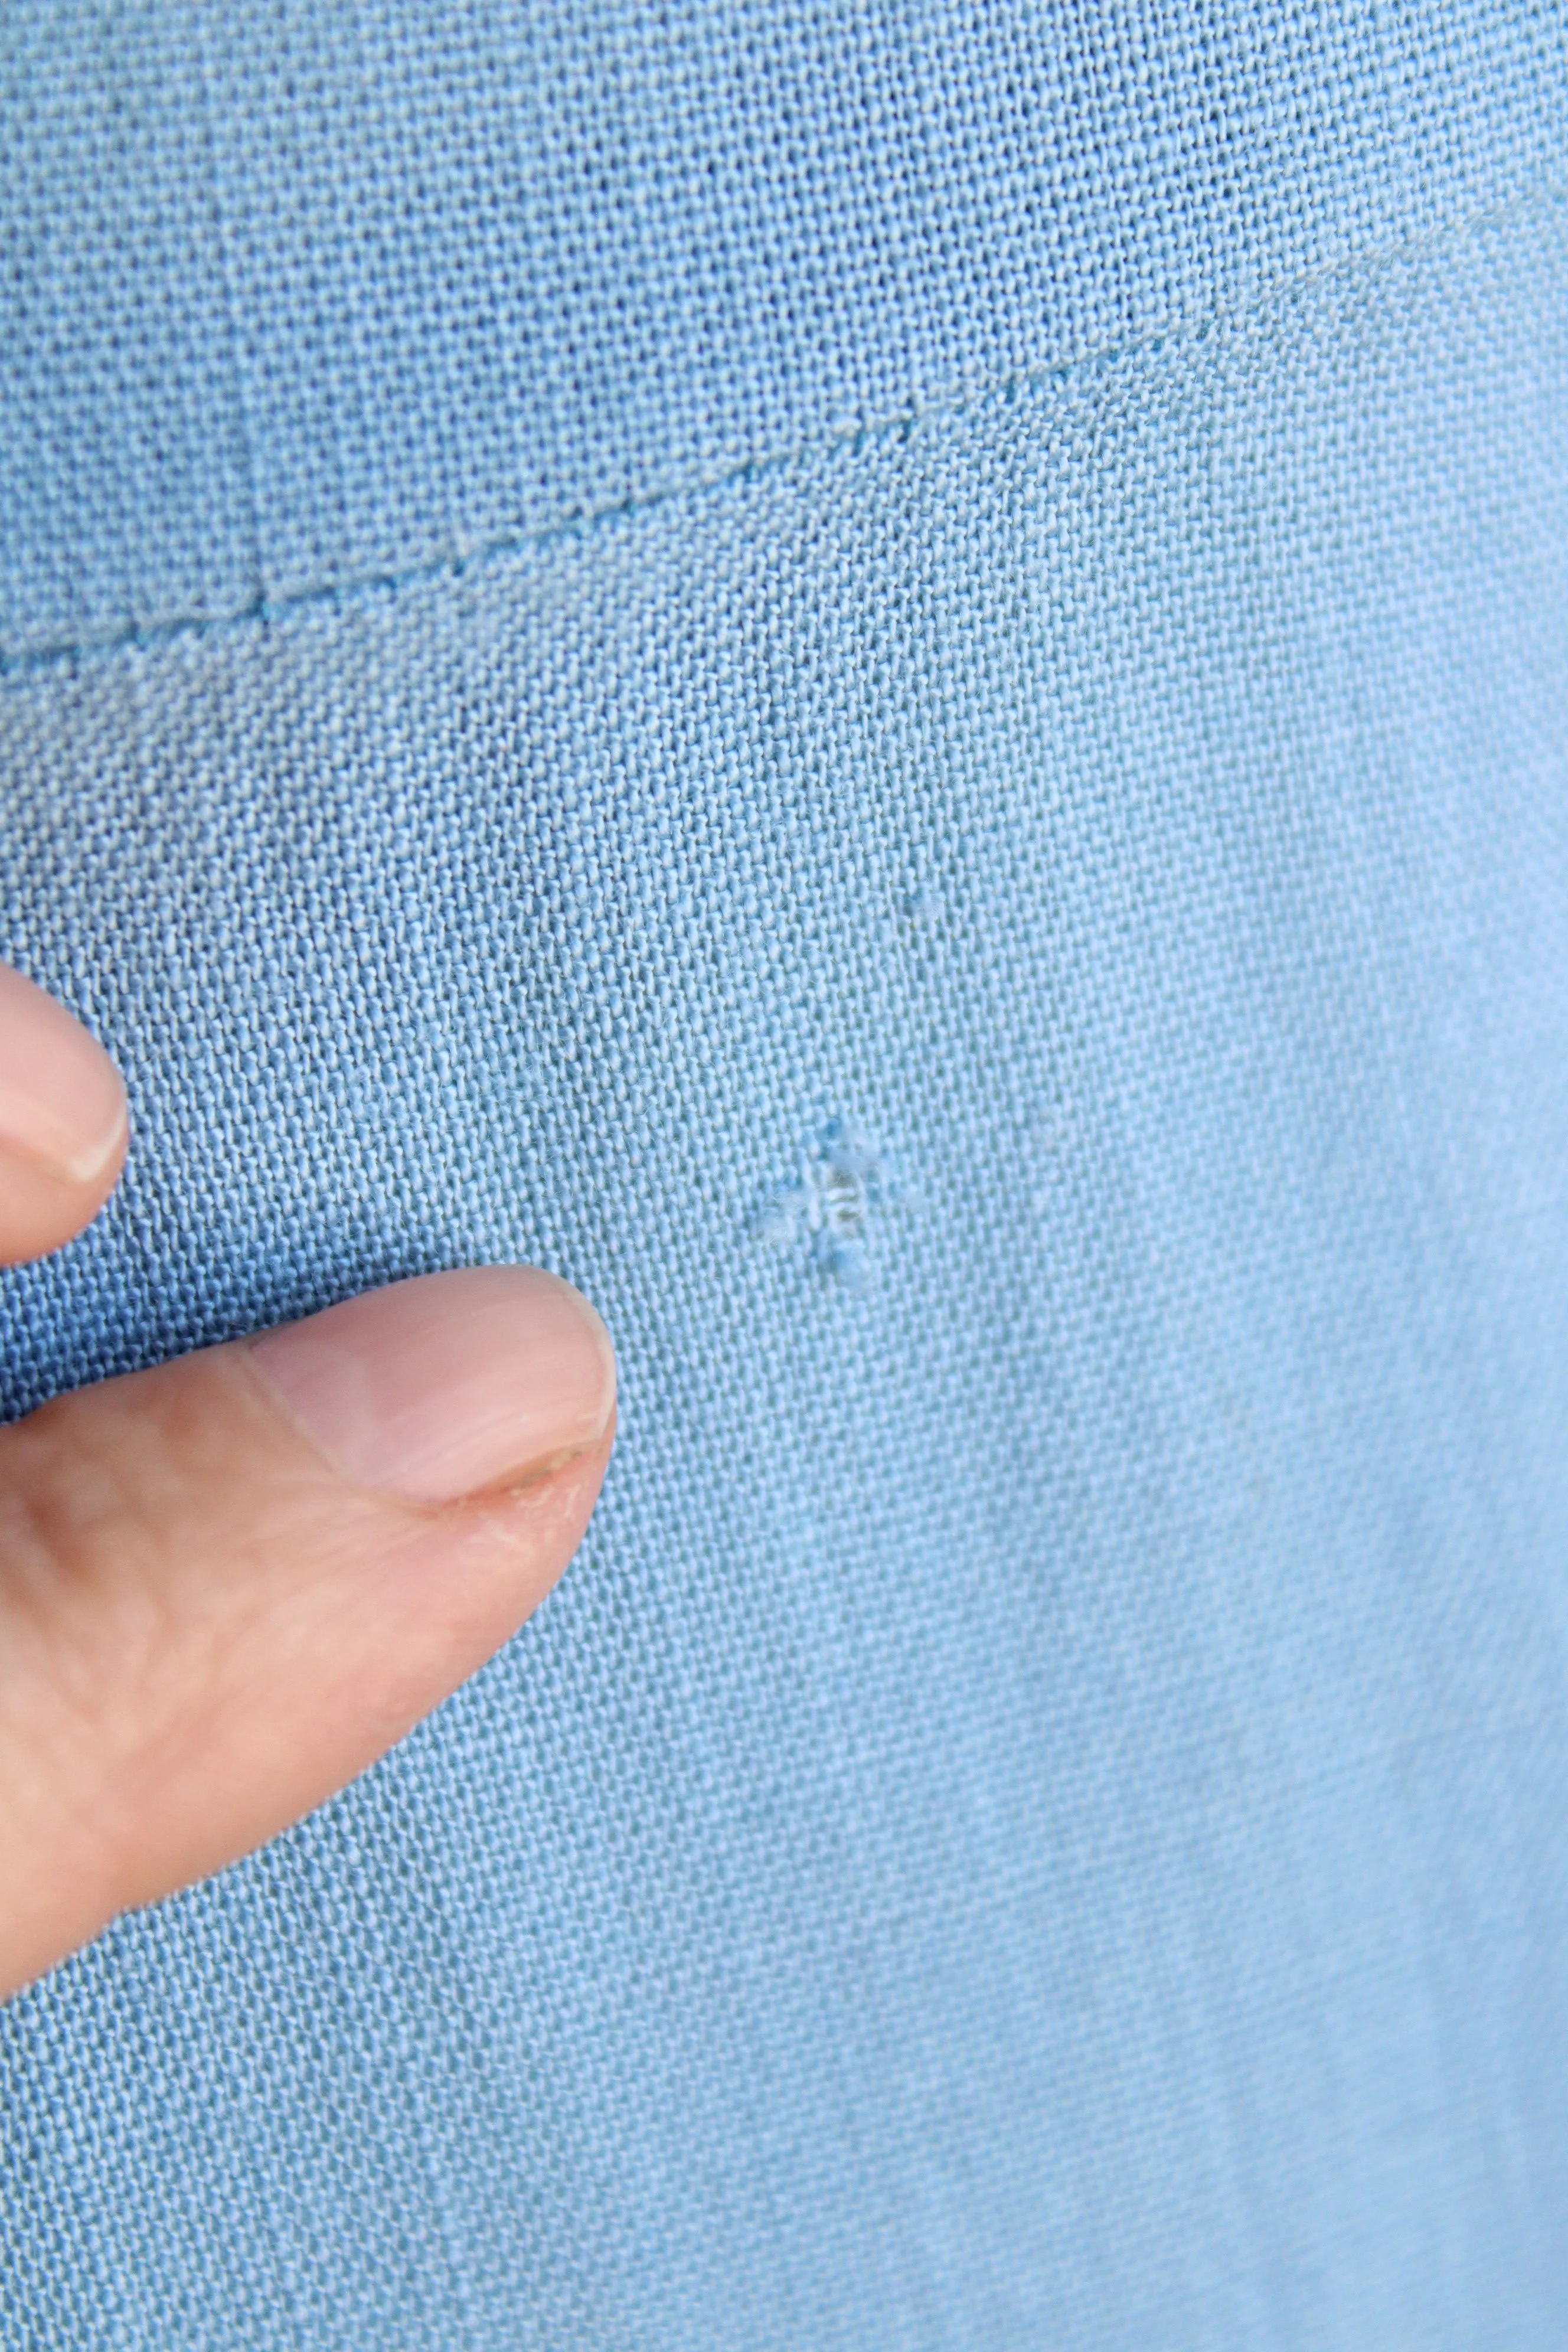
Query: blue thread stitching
{"points": [[150, 635]]}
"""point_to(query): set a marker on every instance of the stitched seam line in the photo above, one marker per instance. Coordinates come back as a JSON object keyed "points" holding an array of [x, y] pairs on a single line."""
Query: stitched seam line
{"points": [[580, 522]]}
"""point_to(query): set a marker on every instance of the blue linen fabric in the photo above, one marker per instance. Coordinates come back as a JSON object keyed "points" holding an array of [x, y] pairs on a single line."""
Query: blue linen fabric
{"points": [[894, 684]]}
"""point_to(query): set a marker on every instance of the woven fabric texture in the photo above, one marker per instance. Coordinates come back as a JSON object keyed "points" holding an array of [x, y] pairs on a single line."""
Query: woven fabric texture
{"points": [[895, 687]]}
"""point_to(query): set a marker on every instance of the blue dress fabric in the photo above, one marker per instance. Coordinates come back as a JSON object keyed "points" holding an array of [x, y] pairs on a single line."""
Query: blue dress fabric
{"points": [[894, 684]]}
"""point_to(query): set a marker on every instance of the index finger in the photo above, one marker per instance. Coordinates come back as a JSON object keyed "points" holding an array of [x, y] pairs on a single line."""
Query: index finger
{"points": [[63, 1122]]}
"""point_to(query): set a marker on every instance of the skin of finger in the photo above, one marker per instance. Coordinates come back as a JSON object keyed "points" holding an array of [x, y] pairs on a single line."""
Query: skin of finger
{"points": [[40, 1213], [205, 1632]]}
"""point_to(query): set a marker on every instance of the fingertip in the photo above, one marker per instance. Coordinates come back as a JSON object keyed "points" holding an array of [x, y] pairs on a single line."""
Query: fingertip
{"points": [[236, 1579], [451, 1384], [39, 1212], [63, 1122]]}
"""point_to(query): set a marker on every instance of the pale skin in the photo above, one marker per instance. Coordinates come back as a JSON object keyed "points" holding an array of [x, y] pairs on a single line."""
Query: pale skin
{"points": [[230, 1583]]}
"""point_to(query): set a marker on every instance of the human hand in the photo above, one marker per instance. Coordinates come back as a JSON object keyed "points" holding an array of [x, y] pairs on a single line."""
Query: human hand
{"points": [[229, 1584]]}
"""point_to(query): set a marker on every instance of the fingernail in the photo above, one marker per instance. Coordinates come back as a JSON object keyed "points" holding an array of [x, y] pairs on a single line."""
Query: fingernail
{"points": [[451, 1384], [62, 1104]]}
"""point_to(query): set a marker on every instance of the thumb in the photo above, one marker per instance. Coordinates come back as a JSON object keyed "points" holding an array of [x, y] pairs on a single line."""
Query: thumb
{"points": [[228, 1585]]}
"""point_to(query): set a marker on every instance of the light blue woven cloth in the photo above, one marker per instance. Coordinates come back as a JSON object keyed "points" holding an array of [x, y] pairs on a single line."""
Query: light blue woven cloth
{"points": [[893, 684]]}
